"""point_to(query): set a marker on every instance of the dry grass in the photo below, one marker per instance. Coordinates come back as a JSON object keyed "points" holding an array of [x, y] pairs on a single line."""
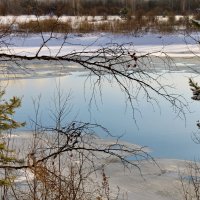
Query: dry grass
{"points": [[47, 25], [135, 24]]}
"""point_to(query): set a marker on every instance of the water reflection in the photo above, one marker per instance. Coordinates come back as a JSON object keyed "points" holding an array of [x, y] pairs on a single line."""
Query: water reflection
{"points": [[156, 126]]}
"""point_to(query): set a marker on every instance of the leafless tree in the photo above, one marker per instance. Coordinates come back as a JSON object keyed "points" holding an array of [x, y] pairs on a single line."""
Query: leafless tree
{"points": [[67, 160], [132, 71], [65, 157]]}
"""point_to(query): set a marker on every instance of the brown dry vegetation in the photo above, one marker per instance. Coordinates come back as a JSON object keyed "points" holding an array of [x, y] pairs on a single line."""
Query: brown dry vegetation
{"points": [[135, 24], [48, 25]]}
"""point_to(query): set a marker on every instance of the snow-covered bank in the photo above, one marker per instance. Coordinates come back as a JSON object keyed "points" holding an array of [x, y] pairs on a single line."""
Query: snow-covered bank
{"points": [[158, 180], [174, 45]]}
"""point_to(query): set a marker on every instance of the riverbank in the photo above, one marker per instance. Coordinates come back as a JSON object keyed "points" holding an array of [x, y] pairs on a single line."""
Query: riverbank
{"points": [[172, 45], [157, 179]]}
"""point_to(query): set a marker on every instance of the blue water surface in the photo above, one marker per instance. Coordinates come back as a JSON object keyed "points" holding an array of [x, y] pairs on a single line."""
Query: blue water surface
{"points": [[155, 126]]}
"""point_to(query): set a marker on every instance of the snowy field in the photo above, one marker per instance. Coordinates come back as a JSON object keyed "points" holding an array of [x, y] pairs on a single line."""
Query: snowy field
{"points": [[174, 45]]}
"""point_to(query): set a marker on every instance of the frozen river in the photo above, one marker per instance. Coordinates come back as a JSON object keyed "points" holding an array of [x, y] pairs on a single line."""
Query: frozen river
{"points": [[155, 126]]}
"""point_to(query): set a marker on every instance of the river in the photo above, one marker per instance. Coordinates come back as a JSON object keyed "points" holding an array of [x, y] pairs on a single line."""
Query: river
{"points": [[155, 126]]}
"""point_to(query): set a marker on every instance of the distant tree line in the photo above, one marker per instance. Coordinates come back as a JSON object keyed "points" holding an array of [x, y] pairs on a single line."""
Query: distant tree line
{"points": [[97, 7]]}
